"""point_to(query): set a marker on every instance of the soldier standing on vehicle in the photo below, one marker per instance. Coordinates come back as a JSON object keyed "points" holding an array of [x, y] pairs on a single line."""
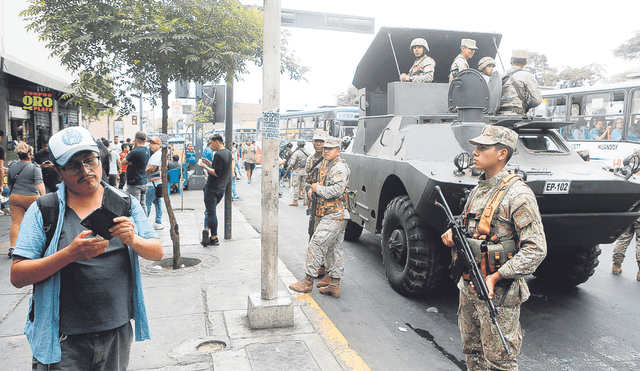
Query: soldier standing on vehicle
{"points": [[520, 90], [296, 162], [330, 222], [424, 66], [467, 50], [486, 66], [516, 222]]}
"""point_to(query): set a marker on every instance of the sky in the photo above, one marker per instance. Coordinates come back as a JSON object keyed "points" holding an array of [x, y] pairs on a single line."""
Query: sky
{"points": [[569, 33]]}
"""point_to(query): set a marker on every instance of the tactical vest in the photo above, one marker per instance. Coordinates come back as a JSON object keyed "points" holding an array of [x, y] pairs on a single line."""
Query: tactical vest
{"points": [[324, 206], [489, 251]]}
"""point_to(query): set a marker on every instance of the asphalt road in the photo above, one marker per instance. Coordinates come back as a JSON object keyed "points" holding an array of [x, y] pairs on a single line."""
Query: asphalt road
{"points": [[591, 327]]}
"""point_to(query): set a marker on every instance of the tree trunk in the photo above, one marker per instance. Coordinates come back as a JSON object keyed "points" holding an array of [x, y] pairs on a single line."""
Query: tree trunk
{"points": [[175, 233]]}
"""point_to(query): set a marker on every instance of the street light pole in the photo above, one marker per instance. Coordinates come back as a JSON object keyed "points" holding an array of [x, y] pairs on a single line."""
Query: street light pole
{"points": [[271, 107], [270, 308]]}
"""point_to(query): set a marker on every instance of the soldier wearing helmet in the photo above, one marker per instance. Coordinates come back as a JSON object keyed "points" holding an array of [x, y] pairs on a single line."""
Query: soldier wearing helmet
{"points": [[467, 50], [424, 66], [485, 67], [296, 163]]}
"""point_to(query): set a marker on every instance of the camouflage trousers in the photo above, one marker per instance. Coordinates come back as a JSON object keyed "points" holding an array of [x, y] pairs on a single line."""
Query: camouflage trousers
{"points": [[481, 342], [326, 247], [298, 186], [623, 242]]}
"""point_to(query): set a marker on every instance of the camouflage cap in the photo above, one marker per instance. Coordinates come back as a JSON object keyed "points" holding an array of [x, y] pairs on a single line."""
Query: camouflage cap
{"points": [[519, 54], [469, 43], [332, 142], [492, 135], [320, 134]]}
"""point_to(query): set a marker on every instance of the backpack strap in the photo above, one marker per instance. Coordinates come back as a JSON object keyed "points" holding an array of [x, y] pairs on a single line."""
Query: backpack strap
{"points": [[48, 205]]}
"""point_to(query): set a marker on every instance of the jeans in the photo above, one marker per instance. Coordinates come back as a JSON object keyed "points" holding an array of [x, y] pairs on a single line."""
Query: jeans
{"points": [[105, 351], [212, 198], [152, 200], [233, 187], [139, 192]]}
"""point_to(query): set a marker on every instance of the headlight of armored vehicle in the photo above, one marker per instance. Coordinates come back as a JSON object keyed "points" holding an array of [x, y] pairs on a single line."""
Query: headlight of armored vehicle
{"points": [[462, 161]]}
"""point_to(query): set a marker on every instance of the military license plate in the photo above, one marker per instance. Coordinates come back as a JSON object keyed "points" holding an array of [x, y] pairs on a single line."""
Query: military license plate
{"points": [[556, 187]]}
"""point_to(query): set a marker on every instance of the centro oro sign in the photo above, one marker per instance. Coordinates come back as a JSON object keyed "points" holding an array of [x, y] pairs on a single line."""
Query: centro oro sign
{"points": [[34, 101]]}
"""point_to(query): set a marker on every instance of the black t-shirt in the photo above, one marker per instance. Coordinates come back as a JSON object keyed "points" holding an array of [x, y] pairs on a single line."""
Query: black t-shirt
{"points": [[222, 165], [95, 294], [138, 159]]}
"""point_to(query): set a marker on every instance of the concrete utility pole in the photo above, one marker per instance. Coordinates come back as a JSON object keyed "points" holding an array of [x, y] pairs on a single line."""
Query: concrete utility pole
{"points": [[270, 309]]}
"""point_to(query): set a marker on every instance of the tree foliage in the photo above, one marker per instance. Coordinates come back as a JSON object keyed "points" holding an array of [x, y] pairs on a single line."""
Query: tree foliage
{"points": [[141, 45], [629, 50], [348, 98]]}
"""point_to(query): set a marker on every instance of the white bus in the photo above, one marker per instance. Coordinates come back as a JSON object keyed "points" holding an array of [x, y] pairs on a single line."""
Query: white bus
{"points": [[605, 118]]}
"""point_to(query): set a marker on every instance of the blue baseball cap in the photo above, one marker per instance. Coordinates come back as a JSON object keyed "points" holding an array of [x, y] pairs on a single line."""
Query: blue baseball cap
{"points": [[66, 143]]}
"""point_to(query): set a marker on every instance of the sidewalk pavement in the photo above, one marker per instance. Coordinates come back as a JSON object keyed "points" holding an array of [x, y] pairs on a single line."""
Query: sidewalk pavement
{"points": [[198, 315]]}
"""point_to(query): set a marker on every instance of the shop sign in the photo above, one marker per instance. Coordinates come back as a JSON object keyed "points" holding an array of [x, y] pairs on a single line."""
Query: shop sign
{"points": [[34, 101]]}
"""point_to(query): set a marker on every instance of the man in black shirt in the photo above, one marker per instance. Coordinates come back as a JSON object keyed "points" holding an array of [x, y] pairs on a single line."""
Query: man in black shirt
{"points": [[219, 172], [137, 160]]}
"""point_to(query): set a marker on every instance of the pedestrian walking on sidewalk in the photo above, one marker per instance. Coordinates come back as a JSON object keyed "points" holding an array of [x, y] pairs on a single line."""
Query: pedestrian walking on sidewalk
{"points": [[86, 289], [331, 216], [137, 161], [154, 181], [219, 171], [249, 156], [26, 183]]}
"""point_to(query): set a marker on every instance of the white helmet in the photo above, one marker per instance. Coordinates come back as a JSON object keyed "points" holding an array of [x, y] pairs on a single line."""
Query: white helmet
{"points": [[420, 42]]}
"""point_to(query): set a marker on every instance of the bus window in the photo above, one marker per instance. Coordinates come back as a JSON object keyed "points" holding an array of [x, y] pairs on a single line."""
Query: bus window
{"points": [[633, 133], [600, 111], [555, 108]]}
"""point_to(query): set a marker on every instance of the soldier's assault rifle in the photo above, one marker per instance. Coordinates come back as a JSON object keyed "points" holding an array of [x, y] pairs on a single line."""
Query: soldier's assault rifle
{"points": [[465, 254], [311, 211]]}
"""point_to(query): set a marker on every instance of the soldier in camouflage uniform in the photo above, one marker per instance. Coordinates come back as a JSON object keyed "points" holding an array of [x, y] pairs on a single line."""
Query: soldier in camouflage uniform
{"points": [[467, 50], [621, 248], [520, 90], [517, 219], [297, 162], [331, 220], [424, 66]]}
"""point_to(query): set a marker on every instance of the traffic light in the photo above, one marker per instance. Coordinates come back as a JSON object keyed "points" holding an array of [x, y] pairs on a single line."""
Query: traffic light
{"points": [[134, 120]]}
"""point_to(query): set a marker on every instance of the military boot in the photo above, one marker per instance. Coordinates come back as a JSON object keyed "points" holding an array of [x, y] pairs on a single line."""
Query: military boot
{"points": [[617, 268], [333, 289], [304, 286], [324, 282]]}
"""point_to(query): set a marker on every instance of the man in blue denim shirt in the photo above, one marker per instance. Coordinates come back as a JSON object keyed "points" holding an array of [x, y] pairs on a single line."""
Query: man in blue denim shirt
{"points": [[86, 288]]}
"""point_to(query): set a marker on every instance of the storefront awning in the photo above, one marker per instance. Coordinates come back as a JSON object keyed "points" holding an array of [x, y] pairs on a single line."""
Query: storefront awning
{"points": [[18, 68]]}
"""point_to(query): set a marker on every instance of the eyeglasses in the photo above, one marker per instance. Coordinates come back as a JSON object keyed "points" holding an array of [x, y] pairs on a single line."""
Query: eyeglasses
{"points": [[74, 168]]}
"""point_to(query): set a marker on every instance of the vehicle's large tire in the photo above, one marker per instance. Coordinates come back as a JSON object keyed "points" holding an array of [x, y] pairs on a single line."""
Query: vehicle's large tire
{"points": [[353, 231], [411, 259], [570, 269]]}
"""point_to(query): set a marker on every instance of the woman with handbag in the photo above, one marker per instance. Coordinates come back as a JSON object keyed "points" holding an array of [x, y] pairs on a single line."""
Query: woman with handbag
{"points": [[26, 183]]}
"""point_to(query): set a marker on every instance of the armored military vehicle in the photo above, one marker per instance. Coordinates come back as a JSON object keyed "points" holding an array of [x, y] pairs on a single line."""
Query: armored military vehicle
{"points": [[412, 137]]}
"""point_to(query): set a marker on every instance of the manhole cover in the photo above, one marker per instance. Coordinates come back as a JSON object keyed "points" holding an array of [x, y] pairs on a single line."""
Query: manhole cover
{"points": [[286, 355], [211, 346]]}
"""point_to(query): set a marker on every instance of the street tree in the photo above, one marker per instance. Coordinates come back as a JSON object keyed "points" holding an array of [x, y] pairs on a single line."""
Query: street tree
{"points": [[583, 76], [142, 45], [630, 49], [348, 98]]}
